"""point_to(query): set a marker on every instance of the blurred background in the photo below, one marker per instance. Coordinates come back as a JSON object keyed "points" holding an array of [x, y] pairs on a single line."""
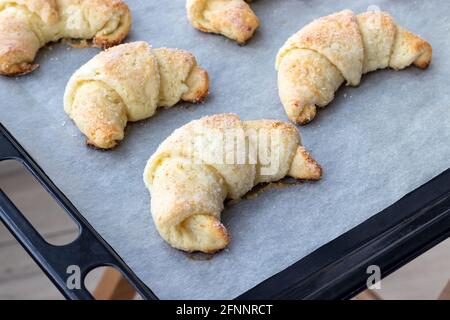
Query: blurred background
{"points": [[20, 278]]}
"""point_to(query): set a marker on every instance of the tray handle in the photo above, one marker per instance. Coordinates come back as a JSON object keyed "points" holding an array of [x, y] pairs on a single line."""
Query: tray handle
{"points": [[66, 266]]}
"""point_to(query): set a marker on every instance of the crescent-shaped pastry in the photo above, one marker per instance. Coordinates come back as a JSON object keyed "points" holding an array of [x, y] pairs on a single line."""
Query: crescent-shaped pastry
{"points": [[316, 61], [232, 18], [128, 83], [27, 25], [209, 160]]}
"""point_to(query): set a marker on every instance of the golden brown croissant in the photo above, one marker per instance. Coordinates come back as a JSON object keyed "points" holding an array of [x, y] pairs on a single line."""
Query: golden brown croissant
{"points": [[232, 18], [27, 25], [316, 61], [214, 158], [128, 83]]}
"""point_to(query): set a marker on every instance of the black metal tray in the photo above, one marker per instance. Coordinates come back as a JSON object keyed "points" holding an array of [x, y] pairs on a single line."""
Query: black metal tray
{"points": [[338, 270]]}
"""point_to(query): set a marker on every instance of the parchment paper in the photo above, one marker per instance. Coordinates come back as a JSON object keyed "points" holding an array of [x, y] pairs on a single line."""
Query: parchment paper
{"points": [[376, 143]]}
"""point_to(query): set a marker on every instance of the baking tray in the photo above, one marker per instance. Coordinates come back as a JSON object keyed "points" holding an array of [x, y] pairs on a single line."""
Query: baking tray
{"points": [[377, 143]]}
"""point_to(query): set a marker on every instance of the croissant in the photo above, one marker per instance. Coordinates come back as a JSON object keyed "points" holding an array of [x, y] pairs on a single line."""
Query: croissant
{"points": [[232, 18], [27, 25], [316, 61], [208, 160], [128, 83]]}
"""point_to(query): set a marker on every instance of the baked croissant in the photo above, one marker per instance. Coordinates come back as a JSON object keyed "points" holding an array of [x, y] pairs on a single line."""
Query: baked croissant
{"points": [[232, 18], [316, 61], [27, 25], [208, 160], [128, 83]]}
